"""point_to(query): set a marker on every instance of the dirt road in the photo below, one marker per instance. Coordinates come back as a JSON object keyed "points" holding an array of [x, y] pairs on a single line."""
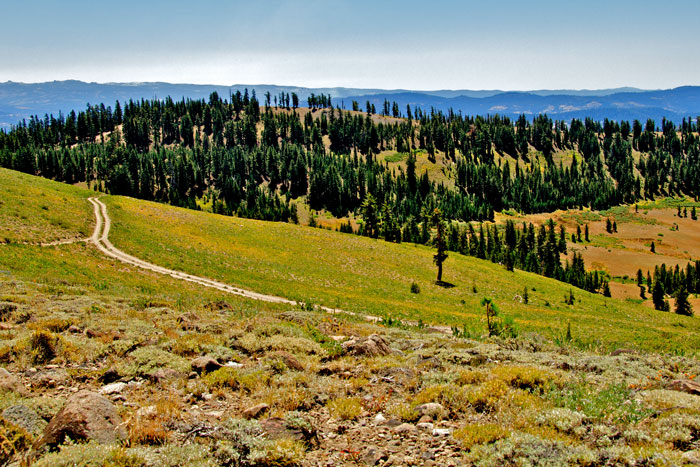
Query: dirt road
{"points": [[100, 237]]}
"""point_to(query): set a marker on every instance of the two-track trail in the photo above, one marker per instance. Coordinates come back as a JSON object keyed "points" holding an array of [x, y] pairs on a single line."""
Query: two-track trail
{"points": [[100, 237]]}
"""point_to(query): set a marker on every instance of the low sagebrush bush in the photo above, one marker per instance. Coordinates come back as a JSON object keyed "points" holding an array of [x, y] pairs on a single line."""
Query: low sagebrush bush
{"points": [[225, 377], [345, 408], [480, 433], [43, 345], [524, 377]]}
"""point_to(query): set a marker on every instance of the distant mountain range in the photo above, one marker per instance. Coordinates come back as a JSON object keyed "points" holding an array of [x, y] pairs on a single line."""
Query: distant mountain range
{"points": [[22, 100]]}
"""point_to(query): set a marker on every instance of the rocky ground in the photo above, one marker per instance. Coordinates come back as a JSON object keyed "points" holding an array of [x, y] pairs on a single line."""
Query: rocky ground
{"points": [[99, 381]]}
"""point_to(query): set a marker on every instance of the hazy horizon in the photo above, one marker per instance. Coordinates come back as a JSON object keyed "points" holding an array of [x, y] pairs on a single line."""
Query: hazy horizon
{"points": [[446, 45]]}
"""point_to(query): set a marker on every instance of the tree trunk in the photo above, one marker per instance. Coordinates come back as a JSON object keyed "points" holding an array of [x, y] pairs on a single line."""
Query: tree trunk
{"points": [[439, 278]]}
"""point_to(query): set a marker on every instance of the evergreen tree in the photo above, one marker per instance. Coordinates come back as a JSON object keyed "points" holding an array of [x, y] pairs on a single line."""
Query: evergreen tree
{"points": [[440, 242], [683, 306], [657, 296]]}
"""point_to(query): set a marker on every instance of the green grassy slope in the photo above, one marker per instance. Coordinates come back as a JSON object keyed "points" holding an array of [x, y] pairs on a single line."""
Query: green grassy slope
{"points": [[313, 265]]}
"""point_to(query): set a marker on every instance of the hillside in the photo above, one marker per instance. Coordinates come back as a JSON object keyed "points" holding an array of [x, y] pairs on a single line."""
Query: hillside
{"points": [[300, 386]]}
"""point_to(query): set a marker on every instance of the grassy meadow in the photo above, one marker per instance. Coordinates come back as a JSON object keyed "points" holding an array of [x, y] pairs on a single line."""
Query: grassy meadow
{"points": [[305, 264]]}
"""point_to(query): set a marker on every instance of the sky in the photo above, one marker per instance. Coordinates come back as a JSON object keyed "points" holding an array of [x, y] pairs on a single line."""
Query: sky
{"points": [[422, 45]]}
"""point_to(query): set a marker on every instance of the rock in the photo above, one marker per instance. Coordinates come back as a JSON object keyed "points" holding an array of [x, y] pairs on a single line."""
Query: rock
{"points": [[372, 346], [431, 409], [425, 419], [86, 416], [91, 333], [113, 388], [379, 419], [618, 352], [164, 374], [73, 329], [428, 455], [392, 422], [425, 426], [109, 376], [685, 385], [50, 378], [405, 428], [255, 411], [147, 411], [234, 365], [289, 360], [10, 383], [441, 432], [278, 428], [25, 418], [373, 456], [205, 364]]}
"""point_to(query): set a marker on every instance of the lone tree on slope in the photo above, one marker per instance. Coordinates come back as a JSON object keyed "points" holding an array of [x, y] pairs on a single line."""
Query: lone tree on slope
{"points": [[683, 306], [440, 241]]}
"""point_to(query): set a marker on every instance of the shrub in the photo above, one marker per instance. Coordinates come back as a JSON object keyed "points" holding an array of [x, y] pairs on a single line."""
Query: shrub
{"points": [[485, 398], [146, 360], [283, 452], [564, 420], [404, 412], [43, 346], [345, 408], [480, 433], [13, 440], [415, 288], [524, 377], [225, 377]]}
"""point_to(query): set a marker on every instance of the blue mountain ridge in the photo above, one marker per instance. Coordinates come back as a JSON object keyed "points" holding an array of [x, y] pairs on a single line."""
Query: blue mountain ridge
{"points": [[22, 100]]}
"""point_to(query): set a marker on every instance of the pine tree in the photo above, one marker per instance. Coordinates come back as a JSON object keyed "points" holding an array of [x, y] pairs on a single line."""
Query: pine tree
{"points": [[586, 234], [683, 306], [657, 295], [693, 214], [608, 226], [440, 241], [653, 247], [526, 297]]}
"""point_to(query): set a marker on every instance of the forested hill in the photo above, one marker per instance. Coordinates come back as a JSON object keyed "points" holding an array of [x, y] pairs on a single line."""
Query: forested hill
{"points": [[21, 101], [390, 168]]}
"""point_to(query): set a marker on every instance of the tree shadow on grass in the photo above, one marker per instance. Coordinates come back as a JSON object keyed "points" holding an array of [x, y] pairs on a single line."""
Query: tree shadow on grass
{"points": [[445, 285]]}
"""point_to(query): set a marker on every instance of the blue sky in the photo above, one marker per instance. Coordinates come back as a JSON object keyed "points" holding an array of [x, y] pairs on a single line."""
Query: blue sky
{"points": [[439, 44]]}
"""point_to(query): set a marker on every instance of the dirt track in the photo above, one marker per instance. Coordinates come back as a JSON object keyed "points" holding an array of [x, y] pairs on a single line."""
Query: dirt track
{"points": [[100, 237]]}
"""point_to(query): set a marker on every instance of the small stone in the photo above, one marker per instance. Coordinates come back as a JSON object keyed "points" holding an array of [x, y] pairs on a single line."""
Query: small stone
{"points": [[685, 385], [428, 455], [431, 409], [441, 432], [192, 375], [207, 396], [379, 419], [255, 411], [86, 416], [425, 419], [216, 414], [372, 346], [205, 364], [146, 411], [164, 374], [73, 329], [113, 388], [234, 365], [405, 428], [392, 422], [50, 378], [10, 383], [425, 426], [373, 456]]}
